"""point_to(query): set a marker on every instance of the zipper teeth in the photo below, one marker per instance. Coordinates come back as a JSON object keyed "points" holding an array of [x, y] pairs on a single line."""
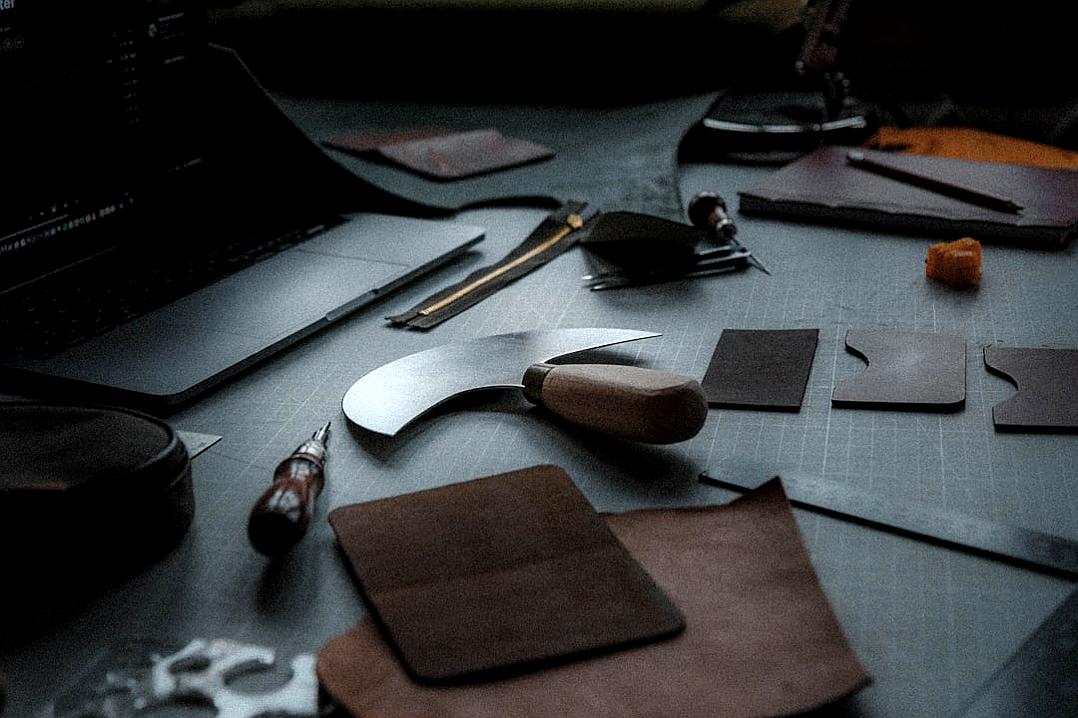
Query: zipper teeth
{"points": [[571, 223]]}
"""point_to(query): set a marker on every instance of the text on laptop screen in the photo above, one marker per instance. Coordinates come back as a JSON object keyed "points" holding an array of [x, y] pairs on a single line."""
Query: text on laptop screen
{"points": [[93, 107]]}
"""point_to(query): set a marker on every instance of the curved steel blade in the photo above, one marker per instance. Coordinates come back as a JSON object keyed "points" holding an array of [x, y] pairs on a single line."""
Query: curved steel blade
{"points": [[388, 398]]}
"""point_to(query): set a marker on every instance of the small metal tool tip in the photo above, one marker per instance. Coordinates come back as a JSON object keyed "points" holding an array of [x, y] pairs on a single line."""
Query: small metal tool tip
{"points": [[759, 265], [323, 433]]}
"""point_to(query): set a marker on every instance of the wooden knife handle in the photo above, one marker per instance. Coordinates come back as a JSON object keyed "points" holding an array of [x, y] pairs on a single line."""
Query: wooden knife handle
{"points": [[647, 405], [281, 515]]}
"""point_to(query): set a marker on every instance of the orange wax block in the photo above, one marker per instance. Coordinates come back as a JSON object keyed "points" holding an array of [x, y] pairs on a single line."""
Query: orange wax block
{"points": [[956, 263]]}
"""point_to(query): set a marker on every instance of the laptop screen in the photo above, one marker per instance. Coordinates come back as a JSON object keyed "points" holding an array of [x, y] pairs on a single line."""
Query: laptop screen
{"points": [[92, 114]]}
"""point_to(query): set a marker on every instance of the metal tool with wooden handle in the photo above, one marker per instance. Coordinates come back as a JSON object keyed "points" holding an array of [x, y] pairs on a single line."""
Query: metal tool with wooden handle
{"points": [[655, 407], [644, 405], [281, 515]]}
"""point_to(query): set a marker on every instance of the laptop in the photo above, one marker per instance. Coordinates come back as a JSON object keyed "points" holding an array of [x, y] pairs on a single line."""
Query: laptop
{"points": [[163, 226]]}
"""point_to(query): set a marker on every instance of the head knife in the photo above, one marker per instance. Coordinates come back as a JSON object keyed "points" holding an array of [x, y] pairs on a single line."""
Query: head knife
{"points": [[630, 402]]}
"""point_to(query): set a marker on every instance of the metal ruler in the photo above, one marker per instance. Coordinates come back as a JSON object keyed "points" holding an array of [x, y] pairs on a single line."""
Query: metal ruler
{"points": [[1032, 549]]}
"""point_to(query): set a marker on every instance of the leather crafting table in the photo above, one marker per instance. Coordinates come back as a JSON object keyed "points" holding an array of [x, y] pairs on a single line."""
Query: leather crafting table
{"points": [[929, 624]]}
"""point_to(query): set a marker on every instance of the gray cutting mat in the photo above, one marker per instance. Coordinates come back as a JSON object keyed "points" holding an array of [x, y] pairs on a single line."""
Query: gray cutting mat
{"points": [[929, 624]]}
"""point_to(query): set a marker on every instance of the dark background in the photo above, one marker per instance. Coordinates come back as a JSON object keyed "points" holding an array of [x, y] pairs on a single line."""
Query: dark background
{"points": [[1003, 68]]}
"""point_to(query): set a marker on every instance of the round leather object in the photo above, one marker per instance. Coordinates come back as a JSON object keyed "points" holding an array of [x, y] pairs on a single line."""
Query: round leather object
{"points": [[89, 488]]}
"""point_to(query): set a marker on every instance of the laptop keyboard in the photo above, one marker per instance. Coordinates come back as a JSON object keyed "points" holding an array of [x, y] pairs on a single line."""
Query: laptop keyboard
{"points": [[49, 316]]}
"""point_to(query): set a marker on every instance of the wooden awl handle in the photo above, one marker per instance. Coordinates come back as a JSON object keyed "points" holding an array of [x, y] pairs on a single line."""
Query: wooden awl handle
{"points": [[647, 405], [282, 514]]}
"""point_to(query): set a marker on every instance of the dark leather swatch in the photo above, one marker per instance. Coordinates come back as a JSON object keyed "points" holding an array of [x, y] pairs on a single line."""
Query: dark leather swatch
{"points": [[503, 572], [1047, 381], [906, 370], [761, 368], [761, 638]]}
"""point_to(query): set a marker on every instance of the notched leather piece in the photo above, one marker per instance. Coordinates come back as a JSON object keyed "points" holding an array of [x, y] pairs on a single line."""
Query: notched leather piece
{"points": [[761, 368], [1047, 381], [906, 370]]}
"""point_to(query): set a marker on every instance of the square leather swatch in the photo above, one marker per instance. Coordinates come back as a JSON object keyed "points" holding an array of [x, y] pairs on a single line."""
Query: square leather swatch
{"points": [[760, 640], [761, 368], [503, 572]]}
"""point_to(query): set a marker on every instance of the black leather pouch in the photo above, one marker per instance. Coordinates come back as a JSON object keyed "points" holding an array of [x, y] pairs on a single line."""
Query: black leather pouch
{"points": [[633, 244]]}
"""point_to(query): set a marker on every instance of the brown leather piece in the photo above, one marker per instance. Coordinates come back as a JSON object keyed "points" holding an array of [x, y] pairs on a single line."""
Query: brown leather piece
{"points": [[465, 154], [499, 573], [445, 154], [760, 639], [824, 187], [761, 368]]}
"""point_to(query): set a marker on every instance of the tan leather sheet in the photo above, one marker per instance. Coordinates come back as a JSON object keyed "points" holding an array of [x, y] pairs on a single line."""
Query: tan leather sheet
{"points": [[760, 639]]}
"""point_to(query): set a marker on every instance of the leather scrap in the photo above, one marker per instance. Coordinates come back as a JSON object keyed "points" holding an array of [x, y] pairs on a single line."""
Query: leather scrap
{"points": [[465, 154], [499, 574], [823, 187], [445, 154], [760, 638], [906, 370], [360, 143], [1047, 381], [761, 368]]}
